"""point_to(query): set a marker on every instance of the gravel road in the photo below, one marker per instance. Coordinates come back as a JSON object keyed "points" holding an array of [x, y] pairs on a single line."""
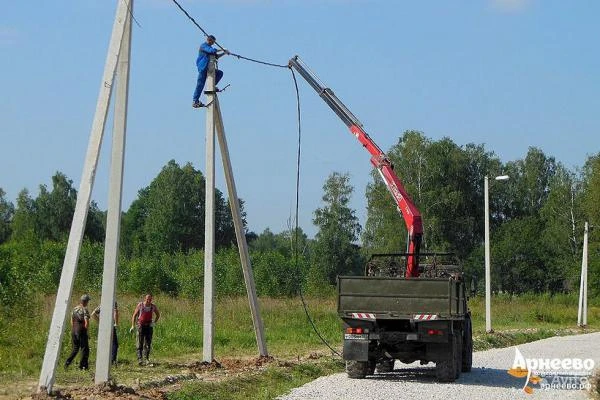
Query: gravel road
{"points": [[487, 380]]}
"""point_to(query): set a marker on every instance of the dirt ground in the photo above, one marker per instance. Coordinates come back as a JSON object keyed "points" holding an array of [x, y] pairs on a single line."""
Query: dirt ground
{"points": [[155, 386]]}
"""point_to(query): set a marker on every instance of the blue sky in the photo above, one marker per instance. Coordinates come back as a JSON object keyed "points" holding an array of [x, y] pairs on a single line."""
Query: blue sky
{"points": [[507, 73]]}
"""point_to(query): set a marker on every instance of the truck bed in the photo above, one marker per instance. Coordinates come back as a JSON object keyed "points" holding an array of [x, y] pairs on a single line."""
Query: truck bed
{"points": [[399, 298]]}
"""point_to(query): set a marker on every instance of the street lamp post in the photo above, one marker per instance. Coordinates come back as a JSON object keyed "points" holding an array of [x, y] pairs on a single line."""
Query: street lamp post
{"points": [[488, 283]]}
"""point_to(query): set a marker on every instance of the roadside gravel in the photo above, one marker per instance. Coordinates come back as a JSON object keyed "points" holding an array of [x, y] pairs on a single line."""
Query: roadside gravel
{"points": [[488, 379]]}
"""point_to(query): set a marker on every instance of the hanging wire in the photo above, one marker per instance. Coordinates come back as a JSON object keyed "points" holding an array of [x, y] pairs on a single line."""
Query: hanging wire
{"points": [[299, 113], [298, 273], [221, 47]]}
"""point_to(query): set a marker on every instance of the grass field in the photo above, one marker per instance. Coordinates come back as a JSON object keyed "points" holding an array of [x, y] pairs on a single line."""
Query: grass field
{"points": [[178, 336]]}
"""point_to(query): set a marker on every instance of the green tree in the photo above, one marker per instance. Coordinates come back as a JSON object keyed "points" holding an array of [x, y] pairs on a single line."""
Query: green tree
{"points": [[445, 181], [23, 223], [168, 215], [49, 216], [6, 214], [591, 206], [334, 251]]}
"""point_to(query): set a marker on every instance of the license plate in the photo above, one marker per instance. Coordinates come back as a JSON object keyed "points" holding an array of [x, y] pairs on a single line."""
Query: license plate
{"points": [[356, 336]]}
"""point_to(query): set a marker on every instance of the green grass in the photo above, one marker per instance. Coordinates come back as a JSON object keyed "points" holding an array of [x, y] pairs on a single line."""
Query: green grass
{"points": [[178, 335], [532, 311], [267, 384]]}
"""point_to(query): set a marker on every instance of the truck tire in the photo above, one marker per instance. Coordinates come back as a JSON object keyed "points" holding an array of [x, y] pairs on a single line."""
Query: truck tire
{"points": [[467, 353], [445, 370], [459, 353], [357, 369], [371, 368], [385, 366]]}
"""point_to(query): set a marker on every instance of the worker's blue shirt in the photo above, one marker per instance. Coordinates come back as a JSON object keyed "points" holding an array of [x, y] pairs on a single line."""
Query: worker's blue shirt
{"points": [[203, 56]]}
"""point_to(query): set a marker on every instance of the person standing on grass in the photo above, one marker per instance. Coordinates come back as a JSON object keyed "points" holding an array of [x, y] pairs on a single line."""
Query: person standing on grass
{"points": [[115, 340], [80, 321], [142, 317]]}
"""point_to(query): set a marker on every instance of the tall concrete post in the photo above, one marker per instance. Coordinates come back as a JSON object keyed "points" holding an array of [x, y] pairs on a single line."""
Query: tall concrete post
{"points": [[113, 219], [582, 312], [488, 274], [240, 234], [209, 220], [63, 296]]}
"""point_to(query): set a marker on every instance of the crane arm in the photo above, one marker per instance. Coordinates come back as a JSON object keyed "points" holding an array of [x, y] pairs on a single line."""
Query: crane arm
{"points": [[410, 213]]}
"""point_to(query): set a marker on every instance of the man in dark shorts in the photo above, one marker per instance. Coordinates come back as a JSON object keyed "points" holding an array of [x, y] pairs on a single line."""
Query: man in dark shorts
{"points": [[143, 318]]}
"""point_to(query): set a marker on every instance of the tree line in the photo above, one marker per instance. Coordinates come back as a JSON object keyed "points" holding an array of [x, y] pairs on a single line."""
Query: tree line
{"points": [[536, 216], [537, 221], [162, 239]]}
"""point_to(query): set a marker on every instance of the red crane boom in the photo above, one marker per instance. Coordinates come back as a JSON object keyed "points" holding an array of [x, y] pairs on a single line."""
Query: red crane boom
{"points": [[410, 213]]}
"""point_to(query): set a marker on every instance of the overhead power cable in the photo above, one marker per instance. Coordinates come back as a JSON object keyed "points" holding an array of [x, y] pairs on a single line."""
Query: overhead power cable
{"points": [[221, 47], [296, 255], [298, 273]]}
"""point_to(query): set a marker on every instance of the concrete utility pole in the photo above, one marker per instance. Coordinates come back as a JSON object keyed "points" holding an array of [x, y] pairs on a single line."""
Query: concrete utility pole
{"points": [[61, 306], [209, 219], [582, 313], [488, 274], [113, 219], [240, 234]]}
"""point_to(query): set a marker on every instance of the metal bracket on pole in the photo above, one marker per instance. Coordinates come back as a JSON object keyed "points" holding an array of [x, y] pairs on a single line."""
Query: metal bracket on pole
{"points": [[240, 234], [209, 220], [63, 296], [113, 219]]}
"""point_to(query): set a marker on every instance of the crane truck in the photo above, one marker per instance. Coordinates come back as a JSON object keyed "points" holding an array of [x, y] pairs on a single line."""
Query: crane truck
{"points": [[408, 306]]}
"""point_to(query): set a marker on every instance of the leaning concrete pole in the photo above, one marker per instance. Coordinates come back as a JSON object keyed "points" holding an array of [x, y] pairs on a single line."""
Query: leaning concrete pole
{"points": [[61, 307], [209, 220], [582, 312], [240, 234], [113, 219]]}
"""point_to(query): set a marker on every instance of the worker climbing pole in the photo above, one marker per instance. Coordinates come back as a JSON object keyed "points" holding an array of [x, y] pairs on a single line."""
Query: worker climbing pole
{"points": [[204, 53]]}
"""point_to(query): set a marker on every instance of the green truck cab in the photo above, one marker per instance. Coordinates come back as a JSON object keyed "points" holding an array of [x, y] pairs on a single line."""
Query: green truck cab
{"points": [[387, 317]]}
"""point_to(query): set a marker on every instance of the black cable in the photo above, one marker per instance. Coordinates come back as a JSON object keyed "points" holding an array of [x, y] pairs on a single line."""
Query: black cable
{"points": [[260, 62], [193, 20], [131, 13], [221, 47], [298, 274]]}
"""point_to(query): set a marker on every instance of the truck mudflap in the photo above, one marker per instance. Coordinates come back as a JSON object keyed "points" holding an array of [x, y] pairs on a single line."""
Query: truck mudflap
{"points": [[356, 347]]}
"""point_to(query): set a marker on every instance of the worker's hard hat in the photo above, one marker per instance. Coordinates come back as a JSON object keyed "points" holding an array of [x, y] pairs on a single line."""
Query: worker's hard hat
{"points": [[85, 297]]}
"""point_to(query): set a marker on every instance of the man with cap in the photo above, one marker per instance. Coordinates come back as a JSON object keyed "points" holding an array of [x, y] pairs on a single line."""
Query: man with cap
{"points": [[115, 340], [80, 320], [206, 50]]}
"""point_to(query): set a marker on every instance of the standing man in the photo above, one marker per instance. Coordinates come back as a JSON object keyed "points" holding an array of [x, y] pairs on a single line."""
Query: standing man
{"points": [[80, 321], [145, 326], [115, 340], [206, 50]]}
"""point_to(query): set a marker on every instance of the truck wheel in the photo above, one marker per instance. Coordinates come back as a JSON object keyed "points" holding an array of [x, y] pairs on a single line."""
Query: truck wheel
{"points": [[385, 366], [357, 369], [467, 353], [445, 370], [371, 368], [459, 352]]}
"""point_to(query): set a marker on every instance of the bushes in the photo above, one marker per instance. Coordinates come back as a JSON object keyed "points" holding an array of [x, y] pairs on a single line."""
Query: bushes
{"points": [[28, 266]]}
